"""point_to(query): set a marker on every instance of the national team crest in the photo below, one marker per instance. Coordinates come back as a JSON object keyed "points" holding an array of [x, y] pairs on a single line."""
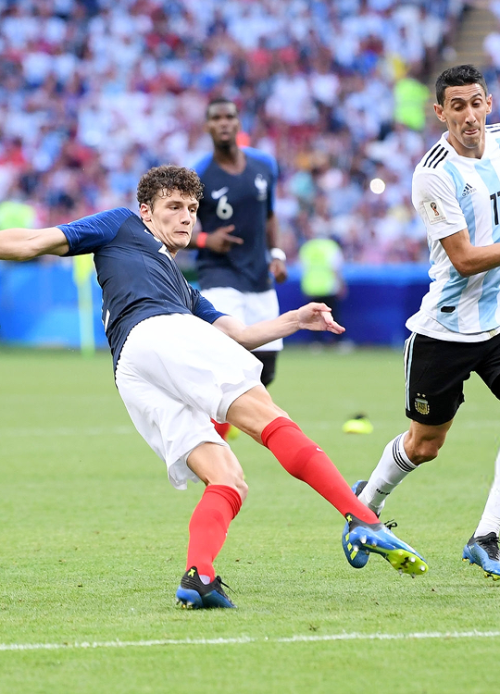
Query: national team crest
{"points": [[422, 406], [261, 185]]}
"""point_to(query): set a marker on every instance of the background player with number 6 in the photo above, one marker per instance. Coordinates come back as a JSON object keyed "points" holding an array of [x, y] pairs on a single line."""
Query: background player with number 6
{"points": [[238, 247]]}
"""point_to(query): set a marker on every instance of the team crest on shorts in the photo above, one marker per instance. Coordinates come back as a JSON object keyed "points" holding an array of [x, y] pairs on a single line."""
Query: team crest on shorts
{"points": [[422, 406]]}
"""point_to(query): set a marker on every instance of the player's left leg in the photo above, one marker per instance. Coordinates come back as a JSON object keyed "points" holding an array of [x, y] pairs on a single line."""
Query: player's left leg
{"points": [[255, 413]]}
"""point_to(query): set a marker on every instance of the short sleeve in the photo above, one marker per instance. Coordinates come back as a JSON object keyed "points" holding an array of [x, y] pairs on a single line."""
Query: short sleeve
{"points": [[89, 233], [434, 198], [202, 308]]}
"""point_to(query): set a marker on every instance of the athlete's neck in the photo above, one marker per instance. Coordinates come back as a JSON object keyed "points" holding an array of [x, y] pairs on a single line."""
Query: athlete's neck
{"points": [[232, 159]]}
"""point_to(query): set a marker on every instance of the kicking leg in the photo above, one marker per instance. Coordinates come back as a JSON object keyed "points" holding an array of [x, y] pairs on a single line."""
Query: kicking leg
{"points": [[256, 414]]}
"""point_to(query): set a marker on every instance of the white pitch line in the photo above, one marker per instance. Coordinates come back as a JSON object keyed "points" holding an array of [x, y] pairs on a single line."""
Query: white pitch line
{"points": [[247, 639]]}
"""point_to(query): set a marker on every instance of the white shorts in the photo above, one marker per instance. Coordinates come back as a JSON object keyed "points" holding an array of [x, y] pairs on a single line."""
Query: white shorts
{"points": [[248, 307], [175, 372]]}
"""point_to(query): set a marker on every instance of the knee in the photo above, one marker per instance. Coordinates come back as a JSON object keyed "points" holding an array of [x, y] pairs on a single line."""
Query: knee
{"points": [[233, 476]]}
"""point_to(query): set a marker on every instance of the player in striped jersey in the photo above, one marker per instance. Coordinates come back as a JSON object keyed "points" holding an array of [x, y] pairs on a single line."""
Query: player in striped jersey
{"points": [[456, 191]]}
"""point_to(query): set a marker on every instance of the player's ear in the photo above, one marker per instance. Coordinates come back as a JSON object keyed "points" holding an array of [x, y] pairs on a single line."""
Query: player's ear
{"points": [[145, 211], [489, 103], [438, 110]]}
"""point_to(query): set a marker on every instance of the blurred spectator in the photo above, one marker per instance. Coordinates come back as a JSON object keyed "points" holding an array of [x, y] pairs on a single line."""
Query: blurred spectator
{"points": [[93, 92], [322, 260]]}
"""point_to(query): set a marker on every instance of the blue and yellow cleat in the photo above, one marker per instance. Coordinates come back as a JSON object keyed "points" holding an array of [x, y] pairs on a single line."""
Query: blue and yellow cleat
{"points": [[356, 557], [362, 539], [193, 594], [483, 551]]}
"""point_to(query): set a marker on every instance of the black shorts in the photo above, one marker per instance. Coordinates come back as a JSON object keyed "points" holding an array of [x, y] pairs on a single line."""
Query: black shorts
{"points": [[435, 374]]}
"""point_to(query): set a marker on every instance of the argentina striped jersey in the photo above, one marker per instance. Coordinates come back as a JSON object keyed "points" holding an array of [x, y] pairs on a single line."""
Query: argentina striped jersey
{"points": [[451, 192]]}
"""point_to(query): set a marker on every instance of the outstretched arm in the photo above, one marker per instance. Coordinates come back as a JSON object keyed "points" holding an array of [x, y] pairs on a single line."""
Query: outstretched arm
{"points": [[312, 316], [25, 244]]}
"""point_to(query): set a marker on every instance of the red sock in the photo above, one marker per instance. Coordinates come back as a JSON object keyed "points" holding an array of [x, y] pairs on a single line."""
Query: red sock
{"points": [[303, 459], [222, 429], [208, 526]]}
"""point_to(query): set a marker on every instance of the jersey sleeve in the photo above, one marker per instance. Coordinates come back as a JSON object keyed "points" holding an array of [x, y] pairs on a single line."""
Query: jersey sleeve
{"points": [[434, 198], [202, 308], [87, 234]]}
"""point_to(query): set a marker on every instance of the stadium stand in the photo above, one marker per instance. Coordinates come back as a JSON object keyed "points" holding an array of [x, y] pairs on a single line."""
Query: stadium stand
{"points": [[93, 92]]}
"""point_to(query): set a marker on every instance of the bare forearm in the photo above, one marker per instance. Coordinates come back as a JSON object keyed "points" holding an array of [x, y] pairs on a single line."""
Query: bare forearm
{"points": [[253, 336], [25, 244], [313, 316], [479, 259]]}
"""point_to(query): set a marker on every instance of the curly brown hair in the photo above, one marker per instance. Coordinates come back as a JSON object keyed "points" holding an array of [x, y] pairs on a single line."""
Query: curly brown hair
{"points": [[164, 179]]}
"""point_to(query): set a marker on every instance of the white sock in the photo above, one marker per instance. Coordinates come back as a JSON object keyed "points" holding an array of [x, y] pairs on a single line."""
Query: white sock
{"points": [[490, 520], [205, 579], [391, 470]]}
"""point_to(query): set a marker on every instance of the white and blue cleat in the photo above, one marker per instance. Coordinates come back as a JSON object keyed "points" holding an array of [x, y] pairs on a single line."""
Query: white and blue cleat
{"points": [[360, 539], [483, 551]]}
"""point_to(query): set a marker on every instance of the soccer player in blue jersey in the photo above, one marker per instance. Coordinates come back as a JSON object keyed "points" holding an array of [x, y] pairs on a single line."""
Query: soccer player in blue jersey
{"points": [[457, 329], [238, 252], [179, 362]]}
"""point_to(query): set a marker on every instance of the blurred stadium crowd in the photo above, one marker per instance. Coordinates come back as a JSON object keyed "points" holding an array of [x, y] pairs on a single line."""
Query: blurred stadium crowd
{"points": [[94, 92]]}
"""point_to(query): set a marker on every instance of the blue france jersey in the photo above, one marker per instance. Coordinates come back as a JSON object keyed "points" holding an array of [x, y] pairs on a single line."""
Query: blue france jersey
{"points": [[245, 200], [138, 276]]}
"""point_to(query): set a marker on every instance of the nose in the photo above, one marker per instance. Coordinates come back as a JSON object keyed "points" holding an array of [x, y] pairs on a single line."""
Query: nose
{"points": [[470, 116], [185, 216]]}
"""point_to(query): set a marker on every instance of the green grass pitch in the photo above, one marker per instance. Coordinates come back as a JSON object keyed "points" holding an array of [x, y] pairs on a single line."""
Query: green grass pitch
{"points": [[93, 541]]}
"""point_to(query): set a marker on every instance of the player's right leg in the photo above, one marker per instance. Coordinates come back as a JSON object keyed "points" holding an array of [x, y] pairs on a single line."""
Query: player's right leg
{"points": [[225, 492], [256, 414], [402, 455]]}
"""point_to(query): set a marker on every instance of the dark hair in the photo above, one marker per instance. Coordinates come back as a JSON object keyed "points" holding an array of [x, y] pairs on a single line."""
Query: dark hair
{"points": [[219, 100], [166, 179], [458, 76]]}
